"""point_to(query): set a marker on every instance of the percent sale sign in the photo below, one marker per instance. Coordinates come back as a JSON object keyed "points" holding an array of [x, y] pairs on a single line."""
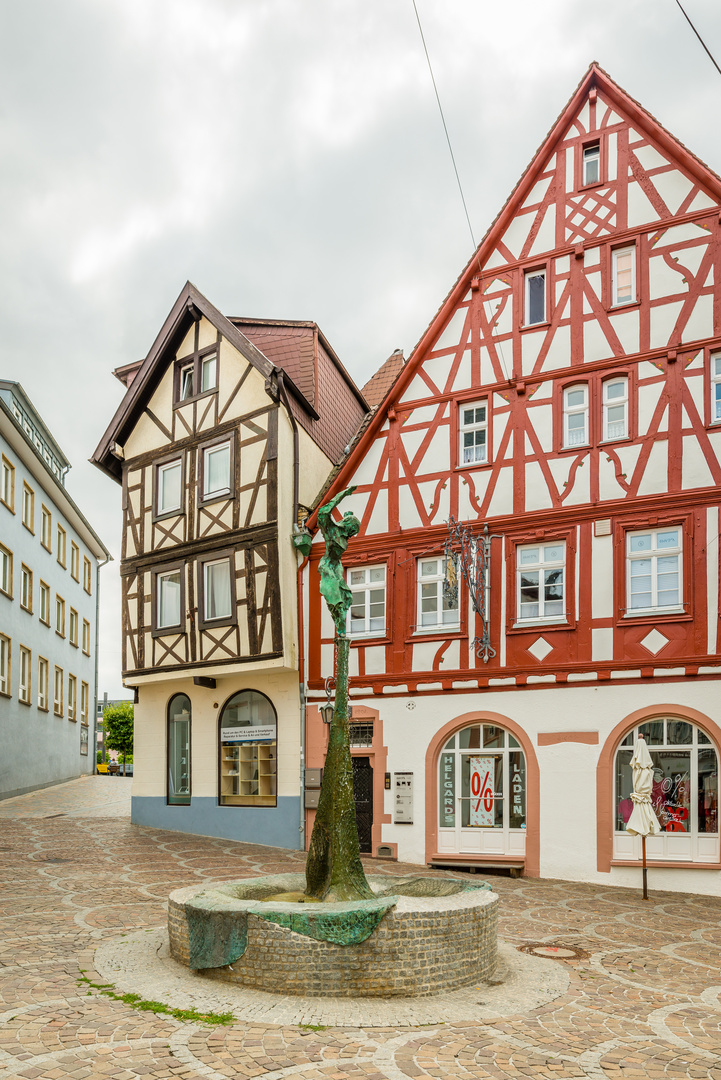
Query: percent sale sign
{"points": [[482, 776]]}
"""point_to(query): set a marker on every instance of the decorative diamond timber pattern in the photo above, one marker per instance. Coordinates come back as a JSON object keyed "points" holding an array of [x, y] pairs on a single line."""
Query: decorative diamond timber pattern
{"points": [[654, 641], [540, 649]]}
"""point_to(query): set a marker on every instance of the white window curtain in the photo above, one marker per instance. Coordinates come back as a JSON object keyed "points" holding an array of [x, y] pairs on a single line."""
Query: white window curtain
{"points": [[217, 590], [217, 470], [169, 487], [169, 599]]}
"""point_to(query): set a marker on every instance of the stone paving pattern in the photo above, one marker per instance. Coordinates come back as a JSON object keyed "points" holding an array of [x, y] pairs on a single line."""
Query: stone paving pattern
{"points": [[646, 1003]]}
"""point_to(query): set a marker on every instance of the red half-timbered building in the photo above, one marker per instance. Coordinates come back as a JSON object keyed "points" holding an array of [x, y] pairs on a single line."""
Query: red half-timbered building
{"points": [[567, 395]]}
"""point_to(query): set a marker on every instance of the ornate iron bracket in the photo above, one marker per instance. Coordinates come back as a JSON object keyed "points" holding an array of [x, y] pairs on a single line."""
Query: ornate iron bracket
{"points": [[472, 556]]}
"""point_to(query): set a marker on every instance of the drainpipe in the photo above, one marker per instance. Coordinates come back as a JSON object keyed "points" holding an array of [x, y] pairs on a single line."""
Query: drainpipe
{"points": [[97, 636], [283, 394], [301, 674]]}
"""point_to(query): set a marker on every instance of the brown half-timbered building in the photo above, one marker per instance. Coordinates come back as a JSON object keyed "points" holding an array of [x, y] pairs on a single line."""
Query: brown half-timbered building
{"points": [[225, 435]]}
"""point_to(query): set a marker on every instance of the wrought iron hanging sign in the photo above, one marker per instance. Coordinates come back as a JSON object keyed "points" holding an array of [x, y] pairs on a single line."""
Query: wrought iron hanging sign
{"points": [[471, 555]]}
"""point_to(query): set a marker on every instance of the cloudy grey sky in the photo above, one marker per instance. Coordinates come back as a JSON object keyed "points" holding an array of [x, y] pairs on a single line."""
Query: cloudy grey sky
{"points": [[287, 157]]}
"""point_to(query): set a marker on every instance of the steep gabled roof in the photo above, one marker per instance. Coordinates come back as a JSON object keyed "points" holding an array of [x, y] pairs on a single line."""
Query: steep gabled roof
{"points": [[595, 77], [142, 377], [377, 387]]}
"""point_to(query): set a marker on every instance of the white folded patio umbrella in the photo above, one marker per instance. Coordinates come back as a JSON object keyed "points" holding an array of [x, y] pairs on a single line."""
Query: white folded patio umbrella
{"points": [[643, 821]]}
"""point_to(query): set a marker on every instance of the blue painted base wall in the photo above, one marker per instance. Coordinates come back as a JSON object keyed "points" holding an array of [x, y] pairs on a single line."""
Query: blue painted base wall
{"points": [[276, 826]]}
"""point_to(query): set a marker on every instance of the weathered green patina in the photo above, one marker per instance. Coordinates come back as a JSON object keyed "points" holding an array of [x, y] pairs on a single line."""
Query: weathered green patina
{"points": [[333, 869], [218, 917]]}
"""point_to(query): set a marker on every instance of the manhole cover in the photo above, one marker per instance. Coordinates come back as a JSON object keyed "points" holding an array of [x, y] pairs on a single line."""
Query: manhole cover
{"points": [[554, 952]]}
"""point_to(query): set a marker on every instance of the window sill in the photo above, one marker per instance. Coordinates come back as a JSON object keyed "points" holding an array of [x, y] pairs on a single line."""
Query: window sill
{"points": [[179, 512], [22, 701], [27, 610], [214, 624], [654, 613], [535, 624], [195, 397], [535, 326], [611, 442], [471, 466], [580, 448], [435, 632], [214, 497], [167, 631], [43, 708], [379, 636], [614, 308]]}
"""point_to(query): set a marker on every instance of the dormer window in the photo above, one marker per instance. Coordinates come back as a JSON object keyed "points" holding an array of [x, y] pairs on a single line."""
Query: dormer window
{"points": [[592, 163]]}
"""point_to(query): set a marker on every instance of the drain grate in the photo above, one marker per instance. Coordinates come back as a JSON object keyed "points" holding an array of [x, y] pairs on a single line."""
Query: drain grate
{"points": [[554, 951]]}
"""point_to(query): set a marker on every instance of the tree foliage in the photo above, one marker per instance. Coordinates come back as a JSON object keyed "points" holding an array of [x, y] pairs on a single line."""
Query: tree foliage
{"points": [[118, 726]]}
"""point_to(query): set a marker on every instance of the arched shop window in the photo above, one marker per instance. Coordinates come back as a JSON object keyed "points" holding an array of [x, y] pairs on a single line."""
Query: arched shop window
{"points": [[179, 750], [684, 796], [248, 753], [482, 791]]}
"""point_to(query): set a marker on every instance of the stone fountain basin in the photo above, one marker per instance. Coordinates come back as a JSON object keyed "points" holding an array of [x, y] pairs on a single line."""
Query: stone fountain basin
{"points": [[417, 936]]}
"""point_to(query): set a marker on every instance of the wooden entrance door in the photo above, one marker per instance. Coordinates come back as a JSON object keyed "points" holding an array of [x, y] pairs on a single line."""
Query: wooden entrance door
{"points": [[363, 792]]}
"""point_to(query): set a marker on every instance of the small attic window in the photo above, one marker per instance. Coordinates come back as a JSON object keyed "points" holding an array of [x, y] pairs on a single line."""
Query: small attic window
{"points": [[197, 374], [186, 382], [592, 163]]}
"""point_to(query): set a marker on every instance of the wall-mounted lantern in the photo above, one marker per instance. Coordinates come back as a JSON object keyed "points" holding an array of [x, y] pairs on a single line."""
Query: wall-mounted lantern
{"points": [[326, 711]]}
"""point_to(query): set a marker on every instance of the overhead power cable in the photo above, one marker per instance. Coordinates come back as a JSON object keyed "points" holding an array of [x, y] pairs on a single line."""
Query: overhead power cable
{"points": [[455, 167], [703, 43]]}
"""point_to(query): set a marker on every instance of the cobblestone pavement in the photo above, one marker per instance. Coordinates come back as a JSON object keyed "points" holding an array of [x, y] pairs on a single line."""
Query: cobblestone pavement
{"points": [[645, 1003]]}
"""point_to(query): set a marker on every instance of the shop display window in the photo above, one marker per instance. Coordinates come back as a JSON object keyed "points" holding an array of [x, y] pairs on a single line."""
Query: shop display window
{"points": [[179, 751], [684, 795], [248, 751]]}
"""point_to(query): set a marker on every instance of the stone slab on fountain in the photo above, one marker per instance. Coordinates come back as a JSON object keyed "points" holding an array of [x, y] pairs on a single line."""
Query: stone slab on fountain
{"points": [[415, 937]]}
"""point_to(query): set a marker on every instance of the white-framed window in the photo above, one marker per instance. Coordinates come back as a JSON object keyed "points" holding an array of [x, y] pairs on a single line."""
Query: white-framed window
{"points": [[654, 564], [58, 692], [87, 575], [367, 613], [28, 507], [25, 662], [216, 470], [715, 368], [72, 696], [7, 483], [534, 288], [684, 794], [623, 275], [42, 683], [473, 431], [6, 571], [84, 702], [217, 591], [592, 163], [44, 614], [575, 415], [60, 616], [208, 373], [437, 595], [169, 478], [169, 588], [26, 588], [62, 546], [541, 581], [73, 628], [615, 408], [5, 655], [74, 561], [46, 528], [86, 637], [186, 382]]}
